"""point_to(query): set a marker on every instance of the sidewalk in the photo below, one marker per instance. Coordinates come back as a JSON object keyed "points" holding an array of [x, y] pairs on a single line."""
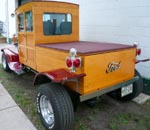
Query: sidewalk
{"points": [[11, 116]]}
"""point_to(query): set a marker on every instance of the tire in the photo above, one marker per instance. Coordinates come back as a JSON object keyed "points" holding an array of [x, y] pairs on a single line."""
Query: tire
{"points": [[5, 63], [55, 107], [74, 98], [137, 89]]}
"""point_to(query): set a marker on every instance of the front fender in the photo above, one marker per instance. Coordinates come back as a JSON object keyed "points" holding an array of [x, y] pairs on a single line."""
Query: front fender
{"points": [[57, 76], [11, 56], [12, 59]]}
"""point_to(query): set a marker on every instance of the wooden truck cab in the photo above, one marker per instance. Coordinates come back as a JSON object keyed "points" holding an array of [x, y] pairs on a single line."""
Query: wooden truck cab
{"points": [[42, 23], [67, 69]]}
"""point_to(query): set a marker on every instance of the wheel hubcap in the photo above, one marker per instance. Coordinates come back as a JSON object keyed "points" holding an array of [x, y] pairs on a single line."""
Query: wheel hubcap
{"points": [[47, 110]]}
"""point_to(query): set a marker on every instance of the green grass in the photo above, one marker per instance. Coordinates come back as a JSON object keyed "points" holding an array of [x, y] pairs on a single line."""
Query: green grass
{"points": [[120, 119], [24, 93], [134, 121]]}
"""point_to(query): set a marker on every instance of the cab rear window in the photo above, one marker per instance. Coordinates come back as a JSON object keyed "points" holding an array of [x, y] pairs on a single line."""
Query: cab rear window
{"points": [[57, 24]]}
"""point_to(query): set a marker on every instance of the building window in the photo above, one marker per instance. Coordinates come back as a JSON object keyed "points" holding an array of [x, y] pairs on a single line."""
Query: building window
{"points": [[21, 22], [29, 22], [57, 24]]}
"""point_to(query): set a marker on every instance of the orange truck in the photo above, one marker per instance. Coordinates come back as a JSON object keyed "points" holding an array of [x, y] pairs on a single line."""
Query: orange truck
{"points": [[68, 70]]}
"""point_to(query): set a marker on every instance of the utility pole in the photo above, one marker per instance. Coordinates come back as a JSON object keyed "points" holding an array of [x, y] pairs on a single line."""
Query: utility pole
{"points": [[7, 19]]}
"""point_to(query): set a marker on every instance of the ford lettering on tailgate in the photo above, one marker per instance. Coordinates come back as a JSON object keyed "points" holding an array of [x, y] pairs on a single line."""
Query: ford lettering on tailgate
{"points": [[113, 66]]}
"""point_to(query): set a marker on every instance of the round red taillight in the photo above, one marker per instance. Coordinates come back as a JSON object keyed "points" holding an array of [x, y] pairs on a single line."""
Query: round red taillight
{"points": [[77, 63], [69, 62], [138, 51]]}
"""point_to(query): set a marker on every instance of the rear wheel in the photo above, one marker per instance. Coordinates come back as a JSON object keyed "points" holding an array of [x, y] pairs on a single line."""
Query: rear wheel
{"points": [[5, 63], [137, 89], [55, 107]]}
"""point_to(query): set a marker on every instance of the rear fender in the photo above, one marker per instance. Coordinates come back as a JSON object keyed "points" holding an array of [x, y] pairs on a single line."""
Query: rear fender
{"points": [[57, 76]]}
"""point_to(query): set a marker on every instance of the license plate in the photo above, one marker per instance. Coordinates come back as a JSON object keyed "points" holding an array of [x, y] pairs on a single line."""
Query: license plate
{"points": [[126, 90]]}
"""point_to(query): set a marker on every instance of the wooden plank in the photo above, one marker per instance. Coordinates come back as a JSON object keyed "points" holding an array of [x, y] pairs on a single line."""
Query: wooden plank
{"points": [[48, 59], [30, 39], [52, 59], [22, 54], [31, 58]]}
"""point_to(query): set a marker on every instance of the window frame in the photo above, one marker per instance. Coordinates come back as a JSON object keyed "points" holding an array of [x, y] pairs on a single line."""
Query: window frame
{"points": [[24, 21], [31, 26], [19, 21]]}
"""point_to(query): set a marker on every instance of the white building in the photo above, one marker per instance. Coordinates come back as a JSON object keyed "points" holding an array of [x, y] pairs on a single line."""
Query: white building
{"points": [[5, 14], [121, 21]]}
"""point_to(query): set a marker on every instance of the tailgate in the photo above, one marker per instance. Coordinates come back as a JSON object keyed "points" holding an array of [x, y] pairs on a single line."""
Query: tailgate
{"points": [[107, 69]]}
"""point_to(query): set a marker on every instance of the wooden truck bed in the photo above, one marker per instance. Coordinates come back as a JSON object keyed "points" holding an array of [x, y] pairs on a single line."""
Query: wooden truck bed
{"points": [[86, 47], [97, 59]]}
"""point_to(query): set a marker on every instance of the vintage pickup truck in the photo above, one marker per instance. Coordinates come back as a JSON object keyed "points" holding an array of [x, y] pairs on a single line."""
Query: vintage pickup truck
{"points": [[68, 70]]}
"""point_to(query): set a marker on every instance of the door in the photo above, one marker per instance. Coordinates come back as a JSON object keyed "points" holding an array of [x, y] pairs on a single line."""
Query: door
{"points": [[26, 39], [22, 38]]}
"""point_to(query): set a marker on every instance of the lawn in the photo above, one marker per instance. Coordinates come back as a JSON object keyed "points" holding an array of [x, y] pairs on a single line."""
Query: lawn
{"points": [[108, 114]]}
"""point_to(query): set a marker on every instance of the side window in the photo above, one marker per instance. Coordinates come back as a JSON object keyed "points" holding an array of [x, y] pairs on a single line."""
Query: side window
{"points": [[21, 2], [21, 22], [29, 22], [57, 24]]}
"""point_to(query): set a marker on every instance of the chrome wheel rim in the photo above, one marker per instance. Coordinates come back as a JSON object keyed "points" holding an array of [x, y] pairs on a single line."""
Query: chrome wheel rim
{"points": [[4, 62], [47, 110]]}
